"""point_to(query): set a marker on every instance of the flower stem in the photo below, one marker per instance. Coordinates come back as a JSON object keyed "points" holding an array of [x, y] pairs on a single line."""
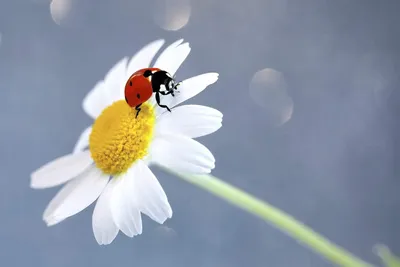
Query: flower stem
{"points": [[276, 217]]}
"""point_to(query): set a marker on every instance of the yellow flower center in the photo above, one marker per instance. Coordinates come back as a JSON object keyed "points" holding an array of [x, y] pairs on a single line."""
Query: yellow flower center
{"points": [[118, 139]]}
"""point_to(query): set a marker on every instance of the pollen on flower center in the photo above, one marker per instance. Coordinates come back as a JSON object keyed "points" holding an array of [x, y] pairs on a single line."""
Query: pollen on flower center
{"points": [[118, 139]]}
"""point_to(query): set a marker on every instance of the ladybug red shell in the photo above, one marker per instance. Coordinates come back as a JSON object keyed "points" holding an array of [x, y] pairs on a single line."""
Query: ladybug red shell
{"points": [[138, 88], [144, 82]]}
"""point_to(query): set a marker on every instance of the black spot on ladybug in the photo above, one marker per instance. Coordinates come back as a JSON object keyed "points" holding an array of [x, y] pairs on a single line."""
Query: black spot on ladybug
{"points": [[130, 83], [138, 96], [147, 73]]}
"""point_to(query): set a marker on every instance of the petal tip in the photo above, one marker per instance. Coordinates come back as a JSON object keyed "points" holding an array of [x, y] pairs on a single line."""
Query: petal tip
{"points": [[170, 213], [219, 114], [161, 40], [212, 77], [50, 221], [35, 181], [178, 42], [35, 185], [185, 46], [216, 75], [103, 242]]}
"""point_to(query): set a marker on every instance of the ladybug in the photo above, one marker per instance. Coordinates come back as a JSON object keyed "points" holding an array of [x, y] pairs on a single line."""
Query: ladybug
{"points": [[144, 82]]}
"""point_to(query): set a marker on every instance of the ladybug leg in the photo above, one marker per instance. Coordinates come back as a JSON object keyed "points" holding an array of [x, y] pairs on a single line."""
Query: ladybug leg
{"points": [[138, 110], [171, 90], [158, 102], [168, 90], [176, 86]]}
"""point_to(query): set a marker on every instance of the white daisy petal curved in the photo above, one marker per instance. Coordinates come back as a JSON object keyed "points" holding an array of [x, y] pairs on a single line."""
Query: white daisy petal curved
{"points": [[104, 228], [95, 101], [172, 59], [75, 196], [83, 141], [115, 81], [144, 56], [125, 204], [61, 170], [188, 89], [153, 200], [164, 59], [190, 120], [182, 154]]}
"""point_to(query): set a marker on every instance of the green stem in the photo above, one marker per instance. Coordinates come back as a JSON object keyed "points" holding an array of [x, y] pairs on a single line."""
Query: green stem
{"points": [[276, 217]]}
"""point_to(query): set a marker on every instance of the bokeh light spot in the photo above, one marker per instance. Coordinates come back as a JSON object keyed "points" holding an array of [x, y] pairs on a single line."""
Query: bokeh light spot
{"points": [[59, 10], [172, 15], [373, 74], [268, 90]]}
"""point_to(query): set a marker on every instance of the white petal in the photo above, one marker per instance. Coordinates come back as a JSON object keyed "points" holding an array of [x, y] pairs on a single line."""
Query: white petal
{"points": [[61, 170], [152, 198], [173, 57], [83, 141], [95, 101], [104, 228], [182, 154], [75, 196], [115, 80], [165, 56], [125, 204], [143, 57], [190, 120], [188, 89]]}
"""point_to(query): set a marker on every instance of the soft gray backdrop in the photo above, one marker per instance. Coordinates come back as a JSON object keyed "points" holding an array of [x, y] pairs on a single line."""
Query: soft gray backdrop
{"points": [[334, 165]]}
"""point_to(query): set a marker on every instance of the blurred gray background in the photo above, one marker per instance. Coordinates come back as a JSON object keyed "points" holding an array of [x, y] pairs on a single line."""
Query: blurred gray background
{"points": [[309, 92]]}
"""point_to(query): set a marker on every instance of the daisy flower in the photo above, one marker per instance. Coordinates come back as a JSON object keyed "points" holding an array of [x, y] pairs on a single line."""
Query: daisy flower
{"points": [[110, 162]]}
